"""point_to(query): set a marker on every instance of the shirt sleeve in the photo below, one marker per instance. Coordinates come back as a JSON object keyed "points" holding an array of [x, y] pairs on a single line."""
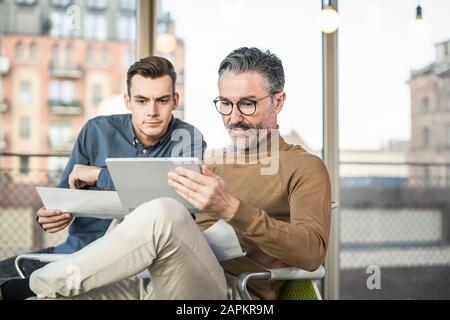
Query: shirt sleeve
{"points": [[104, 181], [79, 155], [303, 242]]}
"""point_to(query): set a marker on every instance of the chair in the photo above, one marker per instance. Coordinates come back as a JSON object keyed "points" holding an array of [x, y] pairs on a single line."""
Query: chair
{"points": [[41, 257], [300, 284]]}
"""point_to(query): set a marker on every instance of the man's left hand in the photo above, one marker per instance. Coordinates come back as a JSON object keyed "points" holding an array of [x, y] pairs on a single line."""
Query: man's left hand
{"points": [[206, 191], [83, 175]]}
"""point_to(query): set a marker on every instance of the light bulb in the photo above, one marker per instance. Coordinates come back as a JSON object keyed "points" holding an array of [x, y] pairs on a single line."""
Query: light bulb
{"points": [[419, 29], [166, 43], [328, 19]]}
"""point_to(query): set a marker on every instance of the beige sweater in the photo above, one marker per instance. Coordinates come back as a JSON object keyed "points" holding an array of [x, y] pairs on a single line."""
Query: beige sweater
{"points": [[283, 219]]}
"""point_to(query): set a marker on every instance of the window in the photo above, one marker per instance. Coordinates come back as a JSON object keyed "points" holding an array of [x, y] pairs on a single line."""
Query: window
{"points": [[95, 27], [97, 4], [60, 135], [126, 27], [61, 3], [104, 55], [52, 53], [91, 55], [378, 227], [24, 92], [62, 92], [127, 57], [425, 137], [19, 50], [24, 128], [26, 2], [425, 105], [24, 164], [55, 168], [57, 19], [97, 93], [447, 136], [127, 5], [33, 51], [67, 91], [213, 24], [61, 25]]}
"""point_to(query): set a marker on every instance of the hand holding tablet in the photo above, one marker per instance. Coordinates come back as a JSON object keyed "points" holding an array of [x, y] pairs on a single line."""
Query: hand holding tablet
{"points": [[138, 180]]}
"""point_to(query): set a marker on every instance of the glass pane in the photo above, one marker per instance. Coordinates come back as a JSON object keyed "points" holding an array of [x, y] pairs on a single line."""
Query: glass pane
{"points": [[395, 160], [196, 37], [60, 65]]}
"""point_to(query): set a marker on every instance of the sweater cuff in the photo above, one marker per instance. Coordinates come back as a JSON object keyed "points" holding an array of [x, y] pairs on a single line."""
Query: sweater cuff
{"points": [[244, 217]]}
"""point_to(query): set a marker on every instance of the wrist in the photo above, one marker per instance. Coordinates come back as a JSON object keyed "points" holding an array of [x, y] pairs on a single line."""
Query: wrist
{"points": [[96, 175], [232, 209]]}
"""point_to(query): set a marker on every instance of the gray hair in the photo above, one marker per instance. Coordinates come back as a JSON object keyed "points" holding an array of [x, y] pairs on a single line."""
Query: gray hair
{"points": [[253, 59]]}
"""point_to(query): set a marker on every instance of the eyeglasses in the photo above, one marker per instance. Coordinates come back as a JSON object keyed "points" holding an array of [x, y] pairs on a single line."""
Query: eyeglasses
{"points": [[245, 106]]}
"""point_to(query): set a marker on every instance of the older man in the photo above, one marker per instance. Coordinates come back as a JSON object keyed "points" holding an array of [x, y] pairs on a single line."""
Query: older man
{"points": [[280, 214]]}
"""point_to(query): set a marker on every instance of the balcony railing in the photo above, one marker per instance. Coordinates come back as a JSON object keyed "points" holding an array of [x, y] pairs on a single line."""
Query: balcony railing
{"points": [[4, 105], [65, 71], [3, 142], [59, 107], [60, 146]]}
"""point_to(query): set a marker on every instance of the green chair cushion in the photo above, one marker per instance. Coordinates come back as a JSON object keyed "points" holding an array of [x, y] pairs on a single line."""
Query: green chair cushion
{"points": [[298, 290]]}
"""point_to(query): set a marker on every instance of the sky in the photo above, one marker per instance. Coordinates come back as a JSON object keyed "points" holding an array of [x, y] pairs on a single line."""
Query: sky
{"points": [[376, 54]]}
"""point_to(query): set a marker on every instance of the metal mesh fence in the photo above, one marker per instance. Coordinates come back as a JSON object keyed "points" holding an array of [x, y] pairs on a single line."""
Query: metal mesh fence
{"points": [[399, 227], [19, 203]]}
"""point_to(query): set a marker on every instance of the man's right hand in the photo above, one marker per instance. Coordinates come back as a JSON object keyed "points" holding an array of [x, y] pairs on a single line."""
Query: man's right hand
{"points": [[53, 220]]}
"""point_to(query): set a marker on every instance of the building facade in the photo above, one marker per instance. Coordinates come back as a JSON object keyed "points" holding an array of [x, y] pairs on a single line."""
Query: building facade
{"points": [[430, 120], [59, 61]]}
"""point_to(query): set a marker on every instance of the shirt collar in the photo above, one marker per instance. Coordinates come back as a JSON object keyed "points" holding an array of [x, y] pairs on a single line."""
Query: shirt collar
{"points": [[164, 138]]}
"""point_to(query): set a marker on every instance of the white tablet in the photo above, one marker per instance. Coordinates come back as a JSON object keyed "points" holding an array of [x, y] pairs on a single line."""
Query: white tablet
{"points": [[138, 180]]}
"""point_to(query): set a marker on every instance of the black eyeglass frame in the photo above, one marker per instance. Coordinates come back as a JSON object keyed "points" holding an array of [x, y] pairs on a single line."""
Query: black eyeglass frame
{"points": [[239, 103]]}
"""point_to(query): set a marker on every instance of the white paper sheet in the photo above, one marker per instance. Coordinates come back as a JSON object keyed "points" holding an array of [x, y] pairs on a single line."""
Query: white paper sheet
{"points": [[83, 203], [106, 205], [223, 241]]}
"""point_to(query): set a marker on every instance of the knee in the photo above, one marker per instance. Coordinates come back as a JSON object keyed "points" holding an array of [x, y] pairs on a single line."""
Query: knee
{"points": [[162, 210]]}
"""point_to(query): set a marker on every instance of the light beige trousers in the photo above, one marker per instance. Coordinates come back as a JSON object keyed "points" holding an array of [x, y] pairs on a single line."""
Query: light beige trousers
{"points": [[159, 236]]}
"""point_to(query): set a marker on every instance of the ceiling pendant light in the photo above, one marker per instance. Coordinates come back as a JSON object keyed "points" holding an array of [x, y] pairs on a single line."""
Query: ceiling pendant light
{"points": [[419, 29], [328, 19]]}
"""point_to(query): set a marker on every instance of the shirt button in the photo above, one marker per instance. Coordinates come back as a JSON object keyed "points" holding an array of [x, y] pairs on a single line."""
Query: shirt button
{"points": [[144, 151]]}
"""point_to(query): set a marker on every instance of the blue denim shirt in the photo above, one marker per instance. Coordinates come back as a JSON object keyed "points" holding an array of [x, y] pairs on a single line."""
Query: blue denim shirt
{"points": [[113, 136]]}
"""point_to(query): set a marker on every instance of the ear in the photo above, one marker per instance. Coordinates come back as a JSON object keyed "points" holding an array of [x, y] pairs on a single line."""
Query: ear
{"points": [[176, 100], [279, 101], [127, 100]]}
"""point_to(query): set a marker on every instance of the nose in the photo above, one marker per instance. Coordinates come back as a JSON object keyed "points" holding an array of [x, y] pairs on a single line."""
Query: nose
{"points": [[235, 116], [152, 109]]}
